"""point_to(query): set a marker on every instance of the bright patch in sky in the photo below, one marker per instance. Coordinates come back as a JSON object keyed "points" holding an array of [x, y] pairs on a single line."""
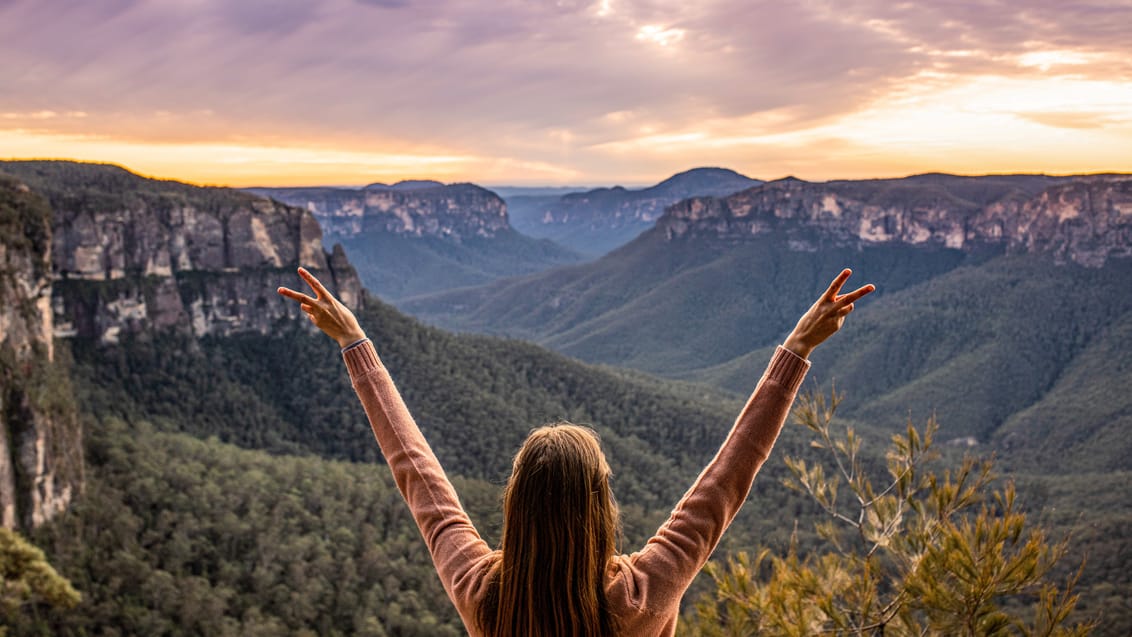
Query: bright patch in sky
{"points": [[1045, 60], [659, 35]]}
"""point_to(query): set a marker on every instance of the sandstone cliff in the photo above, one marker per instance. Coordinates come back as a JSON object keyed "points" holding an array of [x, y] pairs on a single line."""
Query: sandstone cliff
{"points": [[40, 437], [1085, 220], [132, 254], [419, 209]]}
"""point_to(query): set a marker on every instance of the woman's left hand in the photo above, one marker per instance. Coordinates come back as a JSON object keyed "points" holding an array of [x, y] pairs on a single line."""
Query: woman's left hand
{"points": [[825, 316], [326, 312]]}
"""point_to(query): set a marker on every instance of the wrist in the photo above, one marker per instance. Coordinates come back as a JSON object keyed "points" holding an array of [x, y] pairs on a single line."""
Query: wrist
{"points": [[346, 340], [798, 347]]}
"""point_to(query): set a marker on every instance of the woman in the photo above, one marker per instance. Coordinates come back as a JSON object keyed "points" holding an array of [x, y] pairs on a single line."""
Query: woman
{"points": [[556, 573]]}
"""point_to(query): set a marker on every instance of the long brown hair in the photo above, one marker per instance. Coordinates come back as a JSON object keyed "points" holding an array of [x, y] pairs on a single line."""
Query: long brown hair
{"points": [[560, 529]]}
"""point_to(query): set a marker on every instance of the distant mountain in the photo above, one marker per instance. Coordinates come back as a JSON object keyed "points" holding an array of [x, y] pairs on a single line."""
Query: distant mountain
{"points": [[597, 221], [422, 236], [406, 185]]}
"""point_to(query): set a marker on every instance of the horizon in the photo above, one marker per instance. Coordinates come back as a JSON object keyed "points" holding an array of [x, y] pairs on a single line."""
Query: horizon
{"points": [[546, 186], [554, 94]]}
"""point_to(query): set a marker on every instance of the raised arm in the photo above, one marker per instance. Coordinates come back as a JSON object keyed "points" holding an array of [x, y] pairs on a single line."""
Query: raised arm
{"points": [[683, 544], [452, 540]]}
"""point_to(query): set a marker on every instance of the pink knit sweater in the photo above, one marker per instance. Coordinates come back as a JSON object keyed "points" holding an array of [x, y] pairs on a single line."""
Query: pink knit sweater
{"points": [[644, 588]]}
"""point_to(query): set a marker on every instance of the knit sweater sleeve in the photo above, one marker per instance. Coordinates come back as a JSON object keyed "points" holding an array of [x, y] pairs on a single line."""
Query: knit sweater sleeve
{"points": [[670, 560], [455, 545]]}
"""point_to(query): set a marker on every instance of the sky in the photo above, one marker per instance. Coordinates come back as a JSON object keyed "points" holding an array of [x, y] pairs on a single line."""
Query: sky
{"points": [[566, 92]]}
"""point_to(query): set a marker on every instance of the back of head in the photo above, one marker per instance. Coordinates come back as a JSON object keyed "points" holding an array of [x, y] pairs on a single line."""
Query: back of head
{"points": [[560, 528]]}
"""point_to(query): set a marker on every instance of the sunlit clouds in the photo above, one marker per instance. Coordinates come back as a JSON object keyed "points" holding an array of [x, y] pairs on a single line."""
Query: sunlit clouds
{"points": [[273, 92], [660, 35]]}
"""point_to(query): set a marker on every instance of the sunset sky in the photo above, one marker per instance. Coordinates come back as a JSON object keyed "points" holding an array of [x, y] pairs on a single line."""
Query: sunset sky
{"points": [[555, 92]]}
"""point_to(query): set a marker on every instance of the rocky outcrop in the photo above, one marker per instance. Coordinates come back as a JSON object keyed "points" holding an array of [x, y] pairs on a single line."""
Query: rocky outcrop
{"points": [[1085, 220], [132, 254], [419, 208], [40, 436]]}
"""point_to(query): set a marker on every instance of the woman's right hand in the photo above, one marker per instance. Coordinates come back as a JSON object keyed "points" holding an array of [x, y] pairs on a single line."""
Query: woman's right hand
{"points": [[326, 312], [825, 316]]}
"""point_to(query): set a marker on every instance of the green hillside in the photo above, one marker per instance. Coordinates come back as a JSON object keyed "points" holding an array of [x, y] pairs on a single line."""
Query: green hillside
{"points": [[1082, 422], [1018, 352], [672, 306]]}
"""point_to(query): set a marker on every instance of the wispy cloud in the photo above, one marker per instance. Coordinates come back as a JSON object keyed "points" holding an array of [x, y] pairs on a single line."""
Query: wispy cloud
{"points": [[600, 91]]}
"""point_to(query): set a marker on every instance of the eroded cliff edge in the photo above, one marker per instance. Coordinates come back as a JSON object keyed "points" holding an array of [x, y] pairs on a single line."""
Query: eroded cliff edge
{"points": [[133, 254], [41, 467], [1083, 219]]}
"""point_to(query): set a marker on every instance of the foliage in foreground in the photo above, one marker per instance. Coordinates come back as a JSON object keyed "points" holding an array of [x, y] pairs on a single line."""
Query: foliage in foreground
{"points": [[28, 581], [924, 554]]}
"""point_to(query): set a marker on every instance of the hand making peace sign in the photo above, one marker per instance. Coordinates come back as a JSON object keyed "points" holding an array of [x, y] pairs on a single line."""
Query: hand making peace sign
{"points": [[326, 312], [825, 316]]}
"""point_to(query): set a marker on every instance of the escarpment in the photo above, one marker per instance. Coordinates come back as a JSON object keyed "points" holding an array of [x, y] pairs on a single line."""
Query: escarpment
{"points": [[133, 254], [1085, 220]]}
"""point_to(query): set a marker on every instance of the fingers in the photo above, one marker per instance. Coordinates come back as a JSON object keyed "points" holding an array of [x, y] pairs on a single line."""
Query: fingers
{"points": [[835, 286], [852, 297], [296, 296], [315, 284]]}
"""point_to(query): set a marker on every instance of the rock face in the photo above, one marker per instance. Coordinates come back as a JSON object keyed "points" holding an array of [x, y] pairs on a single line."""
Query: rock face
{"points": [[1085, 220], [132, 254], [40, 437], [418, 208]]}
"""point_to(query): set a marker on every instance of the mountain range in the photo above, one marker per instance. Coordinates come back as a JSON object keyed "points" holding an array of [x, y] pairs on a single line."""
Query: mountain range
{"points": [[596, 221]]}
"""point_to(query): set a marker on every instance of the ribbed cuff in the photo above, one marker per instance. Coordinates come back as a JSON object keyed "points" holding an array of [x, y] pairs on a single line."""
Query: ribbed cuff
{"points": [[354, 344], [361, 358], [787, 369]]}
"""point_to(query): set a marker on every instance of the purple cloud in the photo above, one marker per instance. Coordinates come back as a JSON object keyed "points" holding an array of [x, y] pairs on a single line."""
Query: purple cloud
{"points": [[538, 80]]}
